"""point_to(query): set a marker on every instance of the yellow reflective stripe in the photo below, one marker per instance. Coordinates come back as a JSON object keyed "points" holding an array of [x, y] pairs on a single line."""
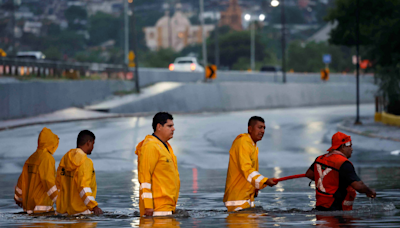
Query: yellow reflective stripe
{"points": [[88, 199], [162, 213], [147, 195], [42, 208], [18, 190], [145, 185], [52, 190], [84, 191], [258, 181], [253, 174], [236, 202], [17, 198]]}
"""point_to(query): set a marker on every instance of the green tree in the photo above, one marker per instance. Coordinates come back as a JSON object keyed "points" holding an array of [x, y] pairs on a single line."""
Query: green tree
{"points": [[379, 33], [104, 27], [76, 17]]}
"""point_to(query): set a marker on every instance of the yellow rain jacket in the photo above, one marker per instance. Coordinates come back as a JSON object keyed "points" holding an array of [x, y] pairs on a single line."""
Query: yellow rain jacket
{"points": [[243, 177], [36, 188], [158, 176], [76, 181]]}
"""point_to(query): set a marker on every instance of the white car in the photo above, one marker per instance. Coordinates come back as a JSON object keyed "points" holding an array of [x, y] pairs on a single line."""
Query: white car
{"points": [[186, 64]]}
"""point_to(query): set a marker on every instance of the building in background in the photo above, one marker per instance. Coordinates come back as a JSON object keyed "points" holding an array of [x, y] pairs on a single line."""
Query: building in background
{"points": [[232, 17], [174, 32]]}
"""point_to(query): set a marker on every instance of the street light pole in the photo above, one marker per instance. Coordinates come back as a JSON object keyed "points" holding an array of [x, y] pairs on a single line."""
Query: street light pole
{"points": [[252, 51], [358, 61], [136, 76], [126, 33], [203, 33], [283, 41]]}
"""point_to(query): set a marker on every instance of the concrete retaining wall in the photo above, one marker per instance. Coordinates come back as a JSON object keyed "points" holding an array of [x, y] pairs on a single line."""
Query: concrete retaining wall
{"points": [[26, 99], [148, 76], [231, 96]]}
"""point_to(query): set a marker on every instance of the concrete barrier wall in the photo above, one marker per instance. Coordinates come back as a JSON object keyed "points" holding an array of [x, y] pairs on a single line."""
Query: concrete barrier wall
{"points": [[231, 96], [26, 99], [148, 76]]}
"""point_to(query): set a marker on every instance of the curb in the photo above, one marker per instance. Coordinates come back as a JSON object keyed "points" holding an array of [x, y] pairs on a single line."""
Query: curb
{"points": [[341, 127], [79, 119]]}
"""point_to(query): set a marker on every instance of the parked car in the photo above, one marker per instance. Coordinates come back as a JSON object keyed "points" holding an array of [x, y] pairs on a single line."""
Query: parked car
{"points": [[186, 64]]}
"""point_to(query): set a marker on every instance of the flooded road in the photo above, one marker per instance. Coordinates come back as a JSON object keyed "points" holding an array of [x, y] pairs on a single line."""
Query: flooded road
{"points": [[293, 139]]}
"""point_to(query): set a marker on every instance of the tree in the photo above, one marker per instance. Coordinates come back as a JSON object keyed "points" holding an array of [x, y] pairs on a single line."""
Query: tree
{"points": [[380, 34], [76, 17]]}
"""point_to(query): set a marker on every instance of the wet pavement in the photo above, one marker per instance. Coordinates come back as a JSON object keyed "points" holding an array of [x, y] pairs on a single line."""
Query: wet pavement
{"points": [[293, 139]]}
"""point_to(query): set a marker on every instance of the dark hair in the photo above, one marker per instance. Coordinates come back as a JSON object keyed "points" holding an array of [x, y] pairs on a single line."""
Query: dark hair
{"points": [[85, 136], [161, 118], [254, 119]]}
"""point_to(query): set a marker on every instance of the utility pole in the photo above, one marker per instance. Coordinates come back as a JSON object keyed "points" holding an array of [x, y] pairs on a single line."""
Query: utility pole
{"points": [[126, 33], [216, 40], [252, 49], [136, 76], [358, 61], [283, 41], [203, 33]]}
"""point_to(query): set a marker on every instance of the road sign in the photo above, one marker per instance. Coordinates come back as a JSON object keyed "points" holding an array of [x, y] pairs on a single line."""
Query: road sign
{"points": [[365, 63], [131, 58], [327, 58], [211, 71], [2, 53], [325, 74]]}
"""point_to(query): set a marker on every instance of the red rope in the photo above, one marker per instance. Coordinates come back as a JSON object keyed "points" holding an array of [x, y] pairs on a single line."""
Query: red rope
{"points": [[290, 177]]}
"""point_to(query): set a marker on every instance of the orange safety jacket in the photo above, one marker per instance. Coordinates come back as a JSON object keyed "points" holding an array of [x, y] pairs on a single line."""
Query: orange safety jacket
{"points": [[326, 173]]}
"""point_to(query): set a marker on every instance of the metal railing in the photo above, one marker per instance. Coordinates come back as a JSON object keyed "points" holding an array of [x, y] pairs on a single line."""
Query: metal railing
{"points": [[57, 69]]}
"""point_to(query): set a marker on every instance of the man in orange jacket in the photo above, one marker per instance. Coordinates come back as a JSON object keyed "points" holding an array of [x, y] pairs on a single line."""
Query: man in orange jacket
{"points": [[243, 180], [158, 169], [76, 179], [335, 177], [36, 190]]}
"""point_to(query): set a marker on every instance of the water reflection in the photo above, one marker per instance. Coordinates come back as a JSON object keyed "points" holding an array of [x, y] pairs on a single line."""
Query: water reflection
{"points": [[62, 225], [245, 220], [334, 221], [135, 187], [159, 222], [195, 186]]}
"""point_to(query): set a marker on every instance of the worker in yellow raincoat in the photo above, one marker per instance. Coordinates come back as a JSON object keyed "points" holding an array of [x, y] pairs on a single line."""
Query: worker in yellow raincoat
{"points": [[243, 180], [36, 190], [158, 169], [76, 179]]}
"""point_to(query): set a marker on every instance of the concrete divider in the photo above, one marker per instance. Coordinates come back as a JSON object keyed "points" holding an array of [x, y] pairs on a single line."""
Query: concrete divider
{"points": [[26, 99], [149, 76], [231, 96]]}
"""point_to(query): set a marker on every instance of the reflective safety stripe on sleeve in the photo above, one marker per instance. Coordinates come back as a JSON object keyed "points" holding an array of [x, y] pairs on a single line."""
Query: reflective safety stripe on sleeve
{"points": [[162, 213], [88, 199], [253, 174], [17, 198], [145, 185], [52, 190], [238, 209], [348, 203], [147, 195], [258, 181], [85, 190], [18, 190], [252, 204]]}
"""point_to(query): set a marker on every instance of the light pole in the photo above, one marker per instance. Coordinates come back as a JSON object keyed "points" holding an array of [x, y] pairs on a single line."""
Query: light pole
{"points": [[203, 33], [247, 17], [276, 3]]}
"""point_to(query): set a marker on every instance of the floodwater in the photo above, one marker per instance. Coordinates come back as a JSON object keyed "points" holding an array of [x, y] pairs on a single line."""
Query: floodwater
{"points": [[293, 139]]}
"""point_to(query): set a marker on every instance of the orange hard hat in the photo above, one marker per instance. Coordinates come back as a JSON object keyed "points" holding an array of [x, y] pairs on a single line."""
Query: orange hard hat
{"points": [[338, 139]]}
